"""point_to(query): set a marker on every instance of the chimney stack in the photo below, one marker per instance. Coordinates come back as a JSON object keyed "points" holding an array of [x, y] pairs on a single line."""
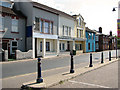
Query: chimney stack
{"points": [[110, 33], [100, 29]]}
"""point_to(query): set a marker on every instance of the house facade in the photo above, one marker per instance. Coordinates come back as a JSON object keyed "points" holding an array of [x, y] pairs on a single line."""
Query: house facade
{"points": [[90, 42], [102, 41], [80, 38], [66, 33], [12, 29]]}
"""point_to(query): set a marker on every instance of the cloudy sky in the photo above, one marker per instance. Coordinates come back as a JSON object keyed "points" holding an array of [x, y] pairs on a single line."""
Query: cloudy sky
{"points": [[97, 13]]}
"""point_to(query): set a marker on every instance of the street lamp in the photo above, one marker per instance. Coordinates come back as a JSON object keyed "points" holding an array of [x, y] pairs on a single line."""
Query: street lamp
{"points": [[114, 9]]}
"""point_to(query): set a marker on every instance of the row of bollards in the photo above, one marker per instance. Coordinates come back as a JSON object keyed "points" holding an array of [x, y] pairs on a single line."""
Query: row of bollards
{"points": [[39, 77], [102, 60]]}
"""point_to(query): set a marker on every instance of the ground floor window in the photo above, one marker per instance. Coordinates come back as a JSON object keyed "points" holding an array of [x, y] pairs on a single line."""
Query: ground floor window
{"points": [[41, 46], [88, 46], [47, 46], [93, 46], [78, 46], [62, 46]]}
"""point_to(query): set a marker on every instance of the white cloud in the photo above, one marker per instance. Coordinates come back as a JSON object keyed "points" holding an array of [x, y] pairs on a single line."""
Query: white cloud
{"points": [[97, 13]]}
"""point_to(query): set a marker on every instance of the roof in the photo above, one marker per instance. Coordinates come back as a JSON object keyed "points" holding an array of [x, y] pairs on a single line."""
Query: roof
{"points": [[11, 11], [89, 30], [49, 9], [75, 16], [7, 10]]}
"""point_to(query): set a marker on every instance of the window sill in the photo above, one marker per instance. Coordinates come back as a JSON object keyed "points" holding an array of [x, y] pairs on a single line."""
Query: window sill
{"points": [[15, 32], [2, 31], [46, 33]]}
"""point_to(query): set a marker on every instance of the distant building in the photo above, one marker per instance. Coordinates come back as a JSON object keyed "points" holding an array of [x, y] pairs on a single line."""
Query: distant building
{"points": [[12, 28], [102, 41], [80, 38], [90, 42]]}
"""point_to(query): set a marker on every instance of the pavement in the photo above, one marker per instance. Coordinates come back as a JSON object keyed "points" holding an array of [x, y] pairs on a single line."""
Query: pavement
{"points": [[104, 77], [58, 79]]}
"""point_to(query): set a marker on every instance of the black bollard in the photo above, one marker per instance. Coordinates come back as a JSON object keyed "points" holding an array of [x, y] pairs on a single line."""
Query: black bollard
{"points": [[39, 79], [109, 55], [102, 57], [90, 60], [72, 66]]}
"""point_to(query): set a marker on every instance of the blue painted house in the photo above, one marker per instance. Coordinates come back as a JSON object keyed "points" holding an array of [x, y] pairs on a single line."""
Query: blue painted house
{"points": [[90, 42]]}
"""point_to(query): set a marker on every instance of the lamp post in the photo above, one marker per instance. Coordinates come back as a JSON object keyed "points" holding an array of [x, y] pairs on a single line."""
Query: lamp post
{"points": [[116, 48]]}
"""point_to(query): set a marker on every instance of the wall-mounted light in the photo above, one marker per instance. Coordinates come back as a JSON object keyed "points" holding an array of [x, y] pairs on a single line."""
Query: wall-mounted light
{"points": [[21, 39]]}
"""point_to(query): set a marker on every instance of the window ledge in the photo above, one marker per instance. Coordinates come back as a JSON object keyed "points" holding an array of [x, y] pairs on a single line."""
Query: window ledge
{"points": [[2, 31], [15, 32]]}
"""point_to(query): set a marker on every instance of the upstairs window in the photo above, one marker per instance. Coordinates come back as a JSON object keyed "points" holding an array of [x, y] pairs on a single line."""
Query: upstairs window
{"points": [[36, 23], [41, 26], [63, 31], [1, 23], [66, 31], [69, 31], [89, 35], [14, 25], [79, 21], [46, 27], [51, 27], [96, 38]]}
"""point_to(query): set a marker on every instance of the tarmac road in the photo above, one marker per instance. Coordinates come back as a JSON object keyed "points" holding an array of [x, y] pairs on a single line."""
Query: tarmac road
{"points": [[20, 68]]}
